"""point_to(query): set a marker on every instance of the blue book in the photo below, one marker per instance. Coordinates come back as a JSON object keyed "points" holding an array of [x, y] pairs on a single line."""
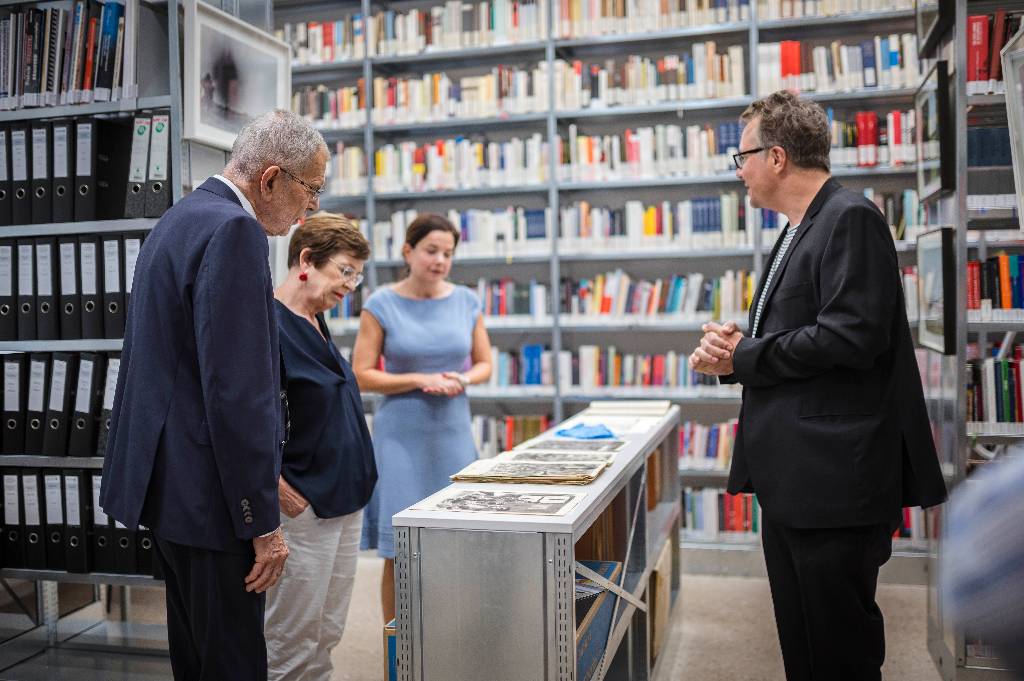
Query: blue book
{"points": [[536, 226], [594, 620], [107, 51], [531, 356], [867, 58]]}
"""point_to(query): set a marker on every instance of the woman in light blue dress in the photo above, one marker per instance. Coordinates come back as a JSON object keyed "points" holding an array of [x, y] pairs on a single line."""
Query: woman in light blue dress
{"points": [[424, 327]]}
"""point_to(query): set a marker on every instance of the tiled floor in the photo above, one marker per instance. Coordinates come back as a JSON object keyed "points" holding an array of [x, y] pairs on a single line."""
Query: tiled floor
{"points": [[723, 630]]}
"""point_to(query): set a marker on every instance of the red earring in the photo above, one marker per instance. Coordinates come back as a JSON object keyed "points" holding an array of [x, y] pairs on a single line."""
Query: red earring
{"points": [[303, 276]]}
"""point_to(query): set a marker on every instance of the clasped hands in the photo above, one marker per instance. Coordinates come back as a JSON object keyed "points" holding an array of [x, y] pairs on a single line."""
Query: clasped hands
{"points": [[446, 384], [714, 354]]}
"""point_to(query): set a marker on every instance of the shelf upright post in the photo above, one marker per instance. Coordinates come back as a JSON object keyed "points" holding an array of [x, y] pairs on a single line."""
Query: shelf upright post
{"points": [[371, 206], [174, 64], [755, 38], [553, 207]]}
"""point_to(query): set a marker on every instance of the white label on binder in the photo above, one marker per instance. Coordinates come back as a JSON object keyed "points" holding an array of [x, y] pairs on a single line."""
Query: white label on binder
{"points": [[83, 157], [98, 516], [36, 387], [68, 280], [39, 154], [30, 495], [158, 147], [12, 386], [113, 367], [88, 258], [140, 148], [71, 497], [111, 267], [6, 270], [11, 515], [60, 151], [57, 380], [19, 156], [84, 391], [131, 256], [3, 156], [25, 270], [44, 270], [54, 505]]}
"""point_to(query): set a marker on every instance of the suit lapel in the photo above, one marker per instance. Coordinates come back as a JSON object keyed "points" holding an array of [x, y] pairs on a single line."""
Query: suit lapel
{"points": [[760, 285], [826, 190]]}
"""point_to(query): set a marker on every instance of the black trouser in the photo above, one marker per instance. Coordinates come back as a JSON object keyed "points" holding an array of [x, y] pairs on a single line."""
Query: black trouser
{"points": [[214, 627], [823, 589]]}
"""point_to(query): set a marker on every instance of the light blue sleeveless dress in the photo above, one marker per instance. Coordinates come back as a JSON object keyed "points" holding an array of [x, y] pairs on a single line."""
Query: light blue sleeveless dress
{"points": [[419, 439]]}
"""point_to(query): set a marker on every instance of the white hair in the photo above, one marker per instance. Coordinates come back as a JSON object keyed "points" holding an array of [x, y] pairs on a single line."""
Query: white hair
{"points": [[279, 138]]}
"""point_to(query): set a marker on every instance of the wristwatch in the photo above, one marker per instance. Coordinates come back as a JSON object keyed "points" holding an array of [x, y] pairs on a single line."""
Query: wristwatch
{"points": [[462, 378]]}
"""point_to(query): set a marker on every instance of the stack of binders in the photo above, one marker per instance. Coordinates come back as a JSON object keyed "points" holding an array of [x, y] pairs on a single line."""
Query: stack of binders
{"points": [[68, 287], [58, 404], [72, 170], [52, 520]]}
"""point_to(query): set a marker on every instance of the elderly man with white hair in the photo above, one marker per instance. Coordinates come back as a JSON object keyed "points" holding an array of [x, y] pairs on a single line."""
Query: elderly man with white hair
{"points": [[194, 449]]}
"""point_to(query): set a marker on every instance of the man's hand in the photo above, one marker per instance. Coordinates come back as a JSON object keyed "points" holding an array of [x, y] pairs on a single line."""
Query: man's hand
{"points": [[271, 553], [292, 503], [714, 354]]}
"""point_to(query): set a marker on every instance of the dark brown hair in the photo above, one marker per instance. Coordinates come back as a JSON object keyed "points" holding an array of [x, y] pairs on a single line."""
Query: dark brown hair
{"points": [[799, 126], [426, 223], [324, 234]]}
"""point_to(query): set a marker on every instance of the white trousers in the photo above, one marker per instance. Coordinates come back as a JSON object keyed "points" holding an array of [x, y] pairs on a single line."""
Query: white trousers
{"points": [[306, 609]]}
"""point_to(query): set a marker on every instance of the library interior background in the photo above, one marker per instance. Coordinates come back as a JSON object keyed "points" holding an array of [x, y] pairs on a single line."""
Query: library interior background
{"points": [[584, 150]]}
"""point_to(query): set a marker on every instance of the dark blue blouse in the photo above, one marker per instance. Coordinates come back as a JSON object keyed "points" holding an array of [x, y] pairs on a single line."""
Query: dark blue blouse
{"points": [[329, 454]]}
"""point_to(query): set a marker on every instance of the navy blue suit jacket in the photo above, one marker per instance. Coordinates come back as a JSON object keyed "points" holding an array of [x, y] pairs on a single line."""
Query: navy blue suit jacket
{"points": [[195, 438]]}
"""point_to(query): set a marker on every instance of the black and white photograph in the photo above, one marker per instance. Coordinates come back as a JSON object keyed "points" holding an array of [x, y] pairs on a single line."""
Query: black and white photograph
{"points": [[237, 73], [486, 501], [577, 445], [554, 456], [491, 470]]}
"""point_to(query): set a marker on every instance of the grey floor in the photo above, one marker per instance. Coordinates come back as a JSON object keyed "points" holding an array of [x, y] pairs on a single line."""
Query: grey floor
{"points": [[723, 630]]}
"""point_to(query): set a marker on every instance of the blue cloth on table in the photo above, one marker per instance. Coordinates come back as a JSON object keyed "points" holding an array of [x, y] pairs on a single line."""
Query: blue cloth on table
{"points": [[581, 431]]}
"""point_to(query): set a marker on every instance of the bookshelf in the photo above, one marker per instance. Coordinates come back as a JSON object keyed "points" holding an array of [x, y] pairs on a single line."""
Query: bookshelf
{"points": [[962, 442], [559, 330], [158, 77]]}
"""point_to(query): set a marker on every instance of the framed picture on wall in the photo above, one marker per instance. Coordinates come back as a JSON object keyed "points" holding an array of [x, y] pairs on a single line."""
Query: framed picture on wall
{"points": [[936, 138], [936, 290], [1013, 73], [233, 73], [934, 18]]}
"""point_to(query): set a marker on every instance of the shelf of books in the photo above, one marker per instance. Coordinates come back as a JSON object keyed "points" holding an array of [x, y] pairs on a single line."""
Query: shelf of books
{"points": [[597, 271], [975, 422], [90, 149]]}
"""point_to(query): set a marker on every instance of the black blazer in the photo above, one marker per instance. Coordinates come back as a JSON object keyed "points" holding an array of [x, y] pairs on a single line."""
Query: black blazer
{"points": [[195, 438], [833, 431]]}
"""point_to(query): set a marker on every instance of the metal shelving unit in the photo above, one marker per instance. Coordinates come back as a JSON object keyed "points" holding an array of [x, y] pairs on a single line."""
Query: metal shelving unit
{"points": [[701, 401], [85, 345], [119, 106]]}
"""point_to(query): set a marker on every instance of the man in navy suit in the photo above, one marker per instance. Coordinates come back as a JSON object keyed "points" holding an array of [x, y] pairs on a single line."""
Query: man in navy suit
{"points": [[833, 433], [194, 449]]}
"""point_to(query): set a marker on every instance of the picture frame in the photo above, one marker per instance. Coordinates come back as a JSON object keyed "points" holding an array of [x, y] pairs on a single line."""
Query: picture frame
{"points": [[1012, 56], [935, 136], [936, 290], [933, 19], [234, 72]]}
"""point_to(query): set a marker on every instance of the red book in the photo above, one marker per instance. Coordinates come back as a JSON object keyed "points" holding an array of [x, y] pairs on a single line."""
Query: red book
{"points": [[862, 138], [998, 39], [503, 298], [977, 53], [659, 370], [871, 123], [973, 285], [510, 431], [1018, 409], [328, 27], [90, 51]]}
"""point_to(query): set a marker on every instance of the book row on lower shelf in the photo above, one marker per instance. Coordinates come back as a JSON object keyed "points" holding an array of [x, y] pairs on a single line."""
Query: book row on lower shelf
{"points": [[710, 513], [994, 391], [58, 404], [995, 288], [494, 434], [52, 520], [792, 9], [68, 287]]}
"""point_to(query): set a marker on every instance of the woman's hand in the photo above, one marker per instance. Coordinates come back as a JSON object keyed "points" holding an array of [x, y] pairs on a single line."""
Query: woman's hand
{"points": [[440, 384], [292, 503]]}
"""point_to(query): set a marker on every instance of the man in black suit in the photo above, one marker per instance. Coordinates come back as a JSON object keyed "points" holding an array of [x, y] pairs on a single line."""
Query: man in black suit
{"points": [[194, 449], [833, 434]]}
